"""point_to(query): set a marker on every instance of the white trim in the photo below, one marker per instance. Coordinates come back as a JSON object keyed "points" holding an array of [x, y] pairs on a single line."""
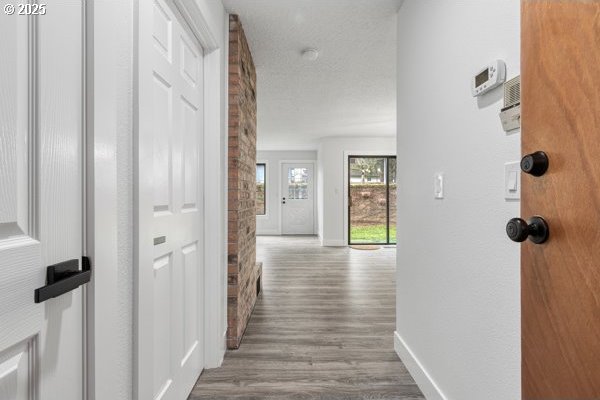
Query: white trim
{"points": [[268, 232], [101, 198], [84, 111], [315, 189], [348, 153], [313, 146], [198, 24], [215, 214], [333, 243], [430, 389]]}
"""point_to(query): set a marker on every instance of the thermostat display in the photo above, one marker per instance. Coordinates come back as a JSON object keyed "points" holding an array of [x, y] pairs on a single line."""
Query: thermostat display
{"points": [[488, 78]]}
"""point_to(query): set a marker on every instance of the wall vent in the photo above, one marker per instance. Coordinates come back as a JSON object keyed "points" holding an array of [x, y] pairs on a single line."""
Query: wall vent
{"points": [[512, 92]]}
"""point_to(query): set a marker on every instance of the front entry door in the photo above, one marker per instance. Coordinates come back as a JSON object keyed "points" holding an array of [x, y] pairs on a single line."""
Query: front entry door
{"points": [[560, 279], [41, 200], [170, 205], [297, 199]]}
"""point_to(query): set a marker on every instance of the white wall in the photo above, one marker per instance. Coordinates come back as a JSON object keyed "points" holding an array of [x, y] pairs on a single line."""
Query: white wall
{"points": [[215, 154], [109, 239], [458, 274], [332, 158], [269, 224]]}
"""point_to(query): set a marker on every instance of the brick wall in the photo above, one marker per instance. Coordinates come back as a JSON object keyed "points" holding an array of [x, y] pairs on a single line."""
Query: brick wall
{"points": [[243, 271]]}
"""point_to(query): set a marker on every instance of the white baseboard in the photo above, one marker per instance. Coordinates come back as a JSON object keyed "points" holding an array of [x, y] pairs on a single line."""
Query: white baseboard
{"points": [[430, 389], [268, 232], [332, 243]]}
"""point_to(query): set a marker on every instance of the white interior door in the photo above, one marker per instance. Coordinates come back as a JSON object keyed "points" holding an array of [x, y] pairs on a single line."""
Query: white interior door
{"points": [[41, 200], [297, 199], [170, 243]]}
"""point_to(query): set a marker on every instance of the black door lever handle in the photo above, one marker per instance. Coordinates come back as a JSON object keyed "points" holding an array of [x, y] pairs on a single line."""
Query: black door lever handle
{"points": [[64, 277]]}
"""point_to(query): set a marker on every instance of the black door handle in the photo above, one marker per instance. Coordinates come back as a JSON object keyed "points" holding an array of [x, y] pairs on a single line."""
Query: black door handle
{"points": [[64, 277], [536, 229]]}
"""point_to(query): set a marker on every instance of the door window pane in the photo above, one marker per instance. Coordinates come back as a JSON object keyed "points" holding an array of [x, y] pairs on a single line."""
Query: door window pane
{"points": [[261, 189], [297, 183], [368, 200]]}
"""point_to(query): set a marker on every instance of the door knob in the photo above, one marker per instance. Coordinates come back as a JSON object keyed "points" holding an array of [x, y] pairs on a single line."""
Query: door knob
{"points": [[536, 229], [535, 164]]}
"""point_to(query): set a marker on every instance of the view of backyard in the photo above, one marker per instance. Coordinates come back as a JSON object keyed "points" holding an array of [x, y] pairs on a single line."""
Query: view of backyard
{"points": [[371, 233], [372, 199], [261, 206], [260, 199]]}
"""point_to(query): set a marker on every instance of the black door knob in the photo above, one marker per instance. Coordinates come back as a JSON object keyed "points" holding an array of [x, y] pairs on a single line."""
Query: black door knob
{"points": [[535, 164], [536, 229]]}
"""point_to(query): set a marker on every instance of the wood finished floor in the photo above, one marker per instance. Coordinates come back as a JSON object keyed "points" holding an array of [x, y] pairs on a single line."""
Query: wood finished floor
{"points": [[321, 329]]}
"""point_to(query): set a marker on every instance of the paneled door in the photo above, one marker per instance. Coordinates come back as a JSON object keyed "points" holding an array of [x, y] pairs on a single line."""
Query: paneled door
{"points": [[170, 199], [560, 278], [41, 200], [297, 199]]}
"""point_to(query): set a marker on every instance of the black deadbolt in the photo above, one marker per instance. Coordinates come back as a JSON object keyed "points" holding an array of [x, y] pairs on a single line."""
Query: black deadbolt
{"points": [[536, 229], [535, 164]]}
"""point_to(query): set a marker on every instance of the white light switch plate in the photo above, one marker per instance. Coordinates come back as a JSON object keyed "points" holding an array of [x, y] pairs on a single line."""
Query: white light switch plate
{"points": [[512, 180], [438, 186]]}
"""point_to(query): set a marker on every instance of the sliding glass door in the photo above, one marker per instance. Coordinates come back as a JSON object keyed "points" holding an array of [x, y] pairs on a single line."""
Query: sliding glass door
{"points": [[371, 200]]}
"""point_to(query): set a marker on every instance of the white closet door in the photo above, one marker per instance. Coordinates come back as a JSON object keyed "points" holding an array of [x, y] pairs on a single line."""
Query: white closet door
{"points": [[171, 269]]}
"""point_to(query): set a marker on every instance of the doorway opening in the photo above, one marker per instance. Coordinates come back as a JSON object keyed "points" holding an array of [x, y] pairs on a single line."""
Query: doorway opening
{"points": [[371, 200]]}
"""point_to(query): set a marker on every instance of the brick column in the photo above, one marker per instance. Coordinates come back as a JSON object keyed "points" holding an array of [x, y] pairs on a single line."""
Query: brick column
{"points": [[243, 271]]}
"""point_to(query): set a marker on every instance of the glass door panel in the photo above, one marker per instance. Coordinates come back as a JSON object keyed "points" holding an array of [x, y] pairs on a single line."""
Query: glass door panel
{"points": [[371, 203], [392, 198]]}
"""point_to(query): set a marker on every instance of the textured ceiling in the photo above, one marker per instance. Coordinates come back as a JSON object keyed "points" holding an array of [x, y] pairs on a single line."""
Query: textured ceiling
{"points": [[350, 90]]}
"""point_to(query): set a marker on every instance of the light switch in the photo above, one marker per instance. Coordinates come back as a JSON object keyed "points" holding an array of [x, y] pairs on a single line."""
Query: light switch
{"points": [[512, 180], [438, 186]]}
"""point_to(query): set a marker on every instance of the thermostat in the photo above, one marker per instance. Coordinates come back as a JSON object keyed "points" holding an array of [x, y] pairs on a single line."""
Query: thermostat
{"points": [[488, 78]]}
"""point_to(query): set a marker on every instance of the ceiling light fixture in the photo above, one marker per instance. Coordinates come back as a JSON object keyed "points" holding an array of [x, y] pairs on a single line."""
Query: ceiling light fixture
{"points": [[310, 54]]}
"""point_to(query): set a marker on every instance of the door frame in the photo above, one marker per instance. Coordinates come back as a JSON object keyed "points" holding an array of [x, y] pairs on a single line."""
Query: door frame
{"points": [[214, 250], [280, 192], [346, 178]]}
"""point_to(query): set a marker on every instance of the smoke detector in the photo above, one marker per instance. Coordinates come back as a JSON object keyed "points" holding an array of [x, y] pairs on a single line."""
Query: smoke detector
{"points": [[310, 54]]}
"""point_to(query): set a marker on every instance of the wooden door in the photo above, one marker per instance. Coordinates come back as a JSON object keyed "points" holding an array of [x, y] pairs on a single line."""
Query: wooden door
{"points": [[560, 279], [170, 201], [41, 200], [297, 201]]}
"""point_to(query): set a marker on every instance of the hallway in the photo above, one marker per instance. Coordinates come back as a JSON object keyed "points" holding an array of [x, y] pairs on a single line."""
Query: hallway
{"points": [[321, 329]]}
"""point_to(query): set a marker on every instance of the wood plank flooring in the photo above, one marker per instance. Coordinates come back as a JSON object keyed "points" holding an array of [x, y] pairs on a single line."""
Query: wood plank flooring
{"points": [[321, 329]]}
